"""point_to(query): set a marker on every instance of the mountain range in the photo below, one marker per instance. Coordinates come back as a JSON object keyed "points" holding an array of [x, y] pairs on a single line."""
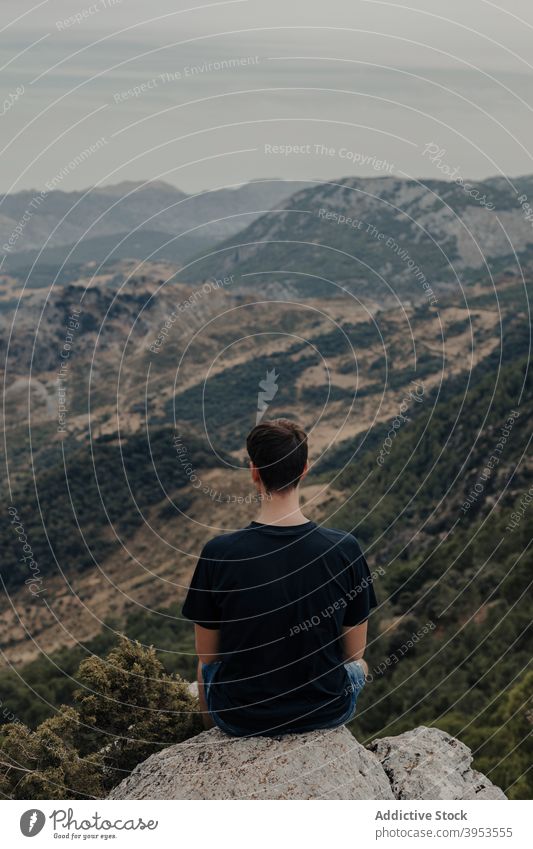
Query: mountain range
{"points": [[384, 235], [406, 396], [129, 219]]}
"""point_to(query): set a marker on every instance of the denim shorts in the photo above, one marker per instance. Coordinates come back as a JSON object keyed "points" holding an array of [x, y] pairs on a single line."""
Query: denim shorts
{"points": [[356, 682]]}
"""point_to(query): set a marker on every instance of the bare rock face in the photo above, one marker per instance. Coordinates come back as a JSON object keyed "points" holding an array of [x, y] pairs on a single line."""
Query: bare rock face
{"points": [[318, 765], [427, 763], [422, 764]]}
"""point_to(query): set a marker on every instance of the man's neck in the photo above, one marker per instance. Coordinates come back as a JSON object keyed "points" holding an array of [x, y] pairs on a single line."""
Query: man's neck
{"points": [[282, 510]]}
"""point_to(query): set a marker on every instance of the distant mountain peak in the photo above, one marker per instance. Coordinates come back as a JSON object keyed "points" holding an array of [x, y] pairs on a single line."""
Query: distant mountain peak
{"points": [[127, 186]]}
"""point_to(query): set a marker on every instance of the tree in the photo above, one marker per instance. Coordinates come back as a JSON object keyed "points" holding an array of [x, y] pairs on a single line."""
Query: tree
{"points": [[132, 707], [128, 709], [44, 764]]}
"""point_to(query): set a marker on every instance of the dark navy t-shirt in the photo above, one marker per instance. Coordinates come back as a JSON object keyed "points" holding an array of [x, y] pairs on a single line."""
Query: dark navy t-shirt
{"points": [[280, 597]]}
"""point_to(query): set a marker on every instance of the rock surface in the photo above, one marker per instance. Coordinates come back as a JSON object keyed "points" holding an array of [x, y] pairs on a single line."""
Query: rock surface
{"points": [[422, 764], [318, 765], [429, 764]]}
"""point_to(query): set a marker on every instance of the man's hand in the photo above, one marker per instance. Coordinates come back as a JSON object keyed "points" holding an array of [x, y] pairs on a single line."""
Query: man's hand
{"points": [[206, 716]]}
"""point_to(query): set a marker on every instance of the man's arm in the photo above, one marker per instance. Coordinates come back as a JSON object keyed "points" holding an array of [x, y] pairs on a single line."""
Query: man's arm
{"points": [[207, 642], [353, 640]]}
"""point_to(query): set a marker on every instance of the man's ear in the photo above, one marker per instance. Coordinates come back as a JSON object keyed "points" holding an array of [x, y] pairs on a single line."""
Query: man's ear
{"points": [[304, 473], [256, 477]]}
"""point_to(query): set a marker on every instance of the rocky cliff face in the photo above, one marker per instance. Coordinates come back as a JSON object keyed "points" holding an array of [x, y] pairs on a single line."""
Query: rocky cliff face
{"points": [[398, 228], [422, 764]]}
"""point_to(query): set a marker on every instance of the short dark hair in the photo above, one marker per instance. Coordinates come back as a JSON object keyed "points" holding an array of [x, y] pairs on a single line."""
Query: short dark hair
{"points": [[278, 449]]}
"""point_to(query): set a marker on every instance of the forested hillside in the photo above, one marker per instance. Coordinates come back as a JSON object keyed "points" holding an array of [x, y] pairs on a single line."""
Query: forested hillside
{"points": [[454, 638]]}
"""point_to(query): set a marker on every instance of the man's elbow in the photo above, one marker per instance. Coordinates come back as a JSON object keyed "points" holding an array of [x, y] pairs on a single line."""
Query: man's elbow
{"points": [[207, 644]]}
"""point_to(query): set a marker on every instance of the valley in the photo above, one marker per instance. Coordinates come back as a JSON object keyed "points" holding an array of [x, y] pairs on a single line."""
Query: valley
{"points": [[130, 385]]}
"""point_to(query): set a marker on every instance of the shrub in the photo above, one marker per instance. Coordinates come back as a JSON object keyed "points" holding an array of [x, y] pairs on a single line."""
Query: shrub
{"points": [[128, 709]]}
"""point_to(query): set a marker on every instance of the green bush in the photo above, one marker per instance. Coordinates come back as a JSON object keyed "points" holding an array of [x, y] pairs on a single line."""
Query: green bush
{"points": [[128, 709]]}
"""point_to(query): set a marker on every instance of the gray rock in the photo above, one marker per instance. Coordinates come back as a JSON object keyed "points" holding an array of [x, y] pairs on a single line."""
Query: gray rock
{"points": [[427, 763], [318, 765], [422, 764]]}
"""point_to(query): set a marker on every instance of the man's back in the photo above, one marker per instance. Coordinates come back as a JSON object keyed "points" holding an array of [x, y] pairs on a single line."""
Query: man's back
{"points": [[280, 596]]}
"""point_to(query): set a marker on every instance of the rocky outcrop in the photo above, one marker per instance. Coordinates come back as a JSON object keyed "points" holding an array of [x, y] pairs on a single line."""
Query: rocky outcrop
{"points": [[319, 765], [429, 764], [422, 764]]}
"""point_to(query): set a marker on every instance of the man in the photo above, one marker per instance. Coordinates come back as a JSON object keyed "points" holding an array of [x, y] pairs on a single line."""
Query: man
{"points": [[280, 607]]}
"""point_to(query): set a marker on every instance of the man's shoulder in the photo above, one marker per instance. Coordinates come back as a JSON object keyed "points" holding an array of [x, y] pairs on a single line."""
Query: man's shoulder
{"points": [[217, 547], [344, 540]]}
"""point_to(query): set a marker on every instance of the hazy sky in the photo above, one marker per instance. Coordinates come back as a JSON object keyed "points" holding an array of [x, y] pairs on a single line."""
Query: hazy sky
{"points": [[361, 86]]}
